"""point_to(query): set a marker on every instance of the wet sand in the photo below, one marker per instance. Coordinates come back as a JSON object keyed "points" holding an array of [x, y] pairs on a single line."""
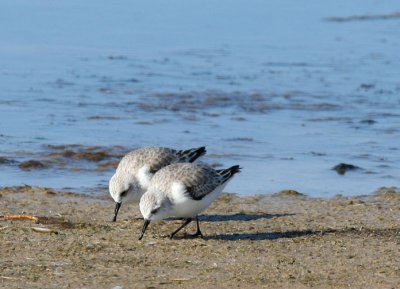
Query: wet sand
{"points": [[285, 240]]}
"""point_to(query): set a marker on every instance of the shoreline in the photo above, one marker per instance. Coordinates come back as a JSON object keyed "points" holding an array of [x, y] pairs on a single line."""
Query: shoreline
{"points": [[91, 166], [263, 241]]}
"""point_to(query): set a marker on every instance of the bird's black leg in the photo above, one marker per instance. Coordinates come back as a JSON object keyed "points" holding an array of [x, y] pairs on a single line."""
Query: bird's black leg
{"points": [[198, 232], [188, 220]]}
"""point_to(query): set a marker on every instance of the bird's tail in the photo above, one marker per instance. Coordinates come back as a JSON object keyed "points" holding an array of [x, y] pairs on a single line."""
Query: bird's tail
{"points": [[191, 155], [229, 172]]}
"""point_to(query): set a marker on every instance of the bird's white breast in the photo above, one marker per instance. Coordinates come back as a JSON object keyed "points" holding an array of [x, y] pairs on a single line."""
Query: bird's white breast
{"points": [[144, 176], [184, 206], [178, 192]]}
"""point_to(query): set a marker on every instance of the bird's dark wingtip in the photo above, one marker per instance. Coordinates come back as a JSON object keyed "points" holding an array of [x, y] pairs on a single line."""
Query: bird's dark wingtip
{"points": [[193, 154], [200, 151], [236, 169], [229, 172]]}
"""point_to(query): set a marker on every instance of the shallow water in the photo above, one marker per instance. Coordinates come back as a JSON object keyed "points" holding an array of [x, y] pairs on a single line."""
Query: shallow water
{"points": [[275, 86]]}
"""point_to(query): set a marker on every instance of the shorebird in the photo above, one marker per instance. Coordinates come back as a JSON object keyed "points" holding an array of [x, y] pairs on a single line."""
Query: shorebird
{"points": [[183, 191], [136, 169]]}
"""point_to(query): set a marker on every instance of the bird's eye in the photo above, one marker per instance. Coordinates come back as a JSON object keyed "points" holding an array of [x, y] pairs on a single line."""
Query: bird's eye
{"points": [[154, 211], [123, 194]]}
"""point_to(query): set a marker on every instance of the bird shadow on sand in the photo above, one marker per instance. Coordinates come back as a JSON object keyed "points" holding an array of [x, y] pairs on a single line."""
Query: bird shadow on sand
{"points": [[234, 217], [268, 235], [239, 217]]}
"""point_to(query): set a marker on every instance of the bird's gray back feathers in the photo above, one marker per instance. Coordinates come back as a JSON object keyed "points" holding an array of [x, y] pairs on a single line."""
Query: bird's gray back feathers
{"points": [[157, 158], [199, 180], [154, 157]]}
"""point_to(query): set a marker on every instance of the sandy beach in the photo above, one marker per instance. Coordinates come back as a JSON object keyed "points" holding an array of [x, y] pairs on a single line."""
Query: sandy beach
{"points": [[303, 95], [284, 240]]}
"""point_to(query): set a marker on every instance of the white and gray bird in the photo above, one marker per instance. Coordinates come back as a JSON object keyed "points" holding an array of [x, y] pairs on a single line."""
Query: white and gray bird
{"points": [[136, 169], [183, 191]]}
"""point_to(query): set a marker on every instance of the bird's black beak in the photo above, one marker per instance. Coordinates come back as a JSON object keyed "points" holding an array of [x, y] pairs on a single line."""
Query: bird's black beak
{"points": [[117, 206], [145, 225]]}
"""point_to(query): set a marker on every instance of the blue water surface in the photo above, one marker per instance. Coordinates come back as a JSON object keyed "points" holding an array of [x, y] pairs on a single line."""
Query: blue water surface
{"points": [[275, 86]]}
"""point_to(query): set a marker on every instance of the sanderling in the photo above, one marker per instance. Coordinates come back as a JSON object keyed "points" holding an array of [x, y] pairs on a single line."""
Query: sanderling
{"points": [[136, 169], [183, 190]]}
